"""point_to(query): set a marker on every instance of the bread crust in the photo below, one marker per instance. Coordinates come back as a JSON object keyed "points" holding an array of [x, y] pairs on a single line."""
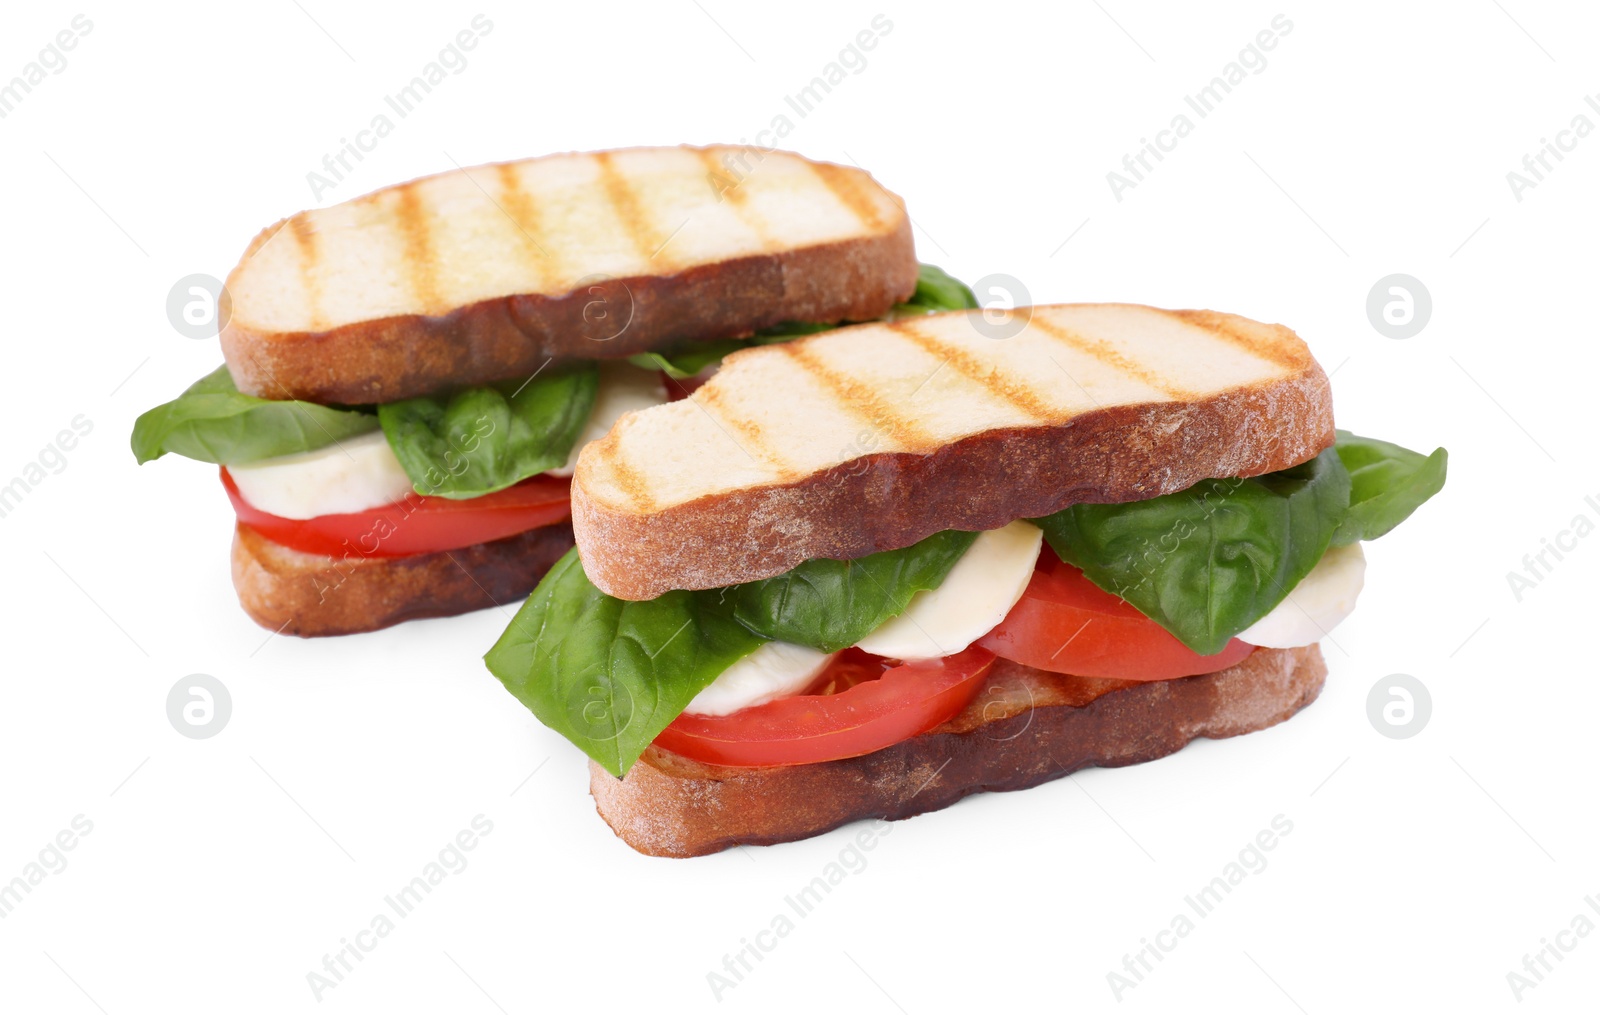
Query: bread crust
{"points": [[407, 356], [1027, 727], [311, 595], [886, 501]]}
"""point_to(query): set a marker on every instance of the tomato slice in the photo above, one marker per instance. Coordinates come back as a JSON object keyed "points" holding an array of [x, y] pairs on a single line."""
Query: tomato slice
{"points": [[868, 715], [415, 524], [1065, 623]]}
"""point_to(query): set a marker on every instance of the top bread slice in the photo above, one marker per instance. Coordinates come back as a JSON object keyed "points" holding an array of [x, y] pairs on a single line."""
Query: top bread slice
{"points": [[873, 437], [489, 273]]}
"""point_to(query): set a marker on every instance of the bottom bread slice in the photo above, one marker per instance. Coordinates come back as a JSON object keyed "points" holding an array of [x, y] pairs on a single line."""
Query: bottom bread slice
{"points": [[1026, 727], [310, 595]]}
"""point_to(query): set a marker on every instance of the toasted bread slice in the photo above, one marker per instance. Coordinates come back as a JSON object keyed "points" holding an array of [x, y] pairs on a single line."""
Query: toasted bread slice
{"points": [[870, 438], [487, 273], [311, 595], [1026, 727]]}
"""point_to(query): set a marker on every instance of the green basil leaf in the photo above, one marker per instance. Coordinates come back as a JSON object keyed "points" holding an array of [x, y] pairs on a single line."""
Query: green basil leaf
{"points": [[1207, 562], [832, 604], [482, 439], [937, 290], [609, 674], [1387, 483], [212, 421], [789, 329], [688, 361]]}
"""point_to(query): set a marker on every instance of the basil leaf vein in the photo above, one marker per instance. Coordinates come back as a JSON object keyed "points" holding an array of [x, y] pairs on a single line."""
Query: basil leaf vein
{"points": [[212, 421], [482, 439], [609, 674], [832, 604], [1207, 562], [1387, 483]]}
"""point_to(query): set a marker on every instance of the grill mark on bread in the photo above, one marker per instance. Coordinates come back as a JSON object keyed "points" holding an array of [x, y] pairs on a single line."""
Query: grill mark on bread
{"points": [[847, 188], [608, 449], [737, 197], [412, 221], [1273, 350], [1110, 356], [855, 397], [989, 376], [305, 240], [751, 436], [519, 205], [626, 204]]}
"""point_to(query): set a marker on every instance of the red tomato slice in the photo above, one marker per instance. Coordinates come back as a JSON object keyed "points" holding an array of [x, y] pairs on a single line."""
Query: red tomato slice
{"points": [[867, 716], [1065, 623], [415, 524]]}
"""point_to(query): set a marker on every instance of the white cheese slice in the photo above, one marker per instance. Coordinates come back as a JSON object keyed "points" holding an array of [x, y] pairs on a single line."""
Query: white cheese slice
{"points": [[775, 670], [623, 388], [976, 595], [356, 474], [1322, 599]]}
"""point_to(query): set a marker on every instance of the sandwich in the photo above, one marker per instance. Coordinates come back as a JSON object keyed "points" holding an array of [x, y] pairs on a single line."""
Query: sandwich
{"points": [[877, 569], [409, 375]]}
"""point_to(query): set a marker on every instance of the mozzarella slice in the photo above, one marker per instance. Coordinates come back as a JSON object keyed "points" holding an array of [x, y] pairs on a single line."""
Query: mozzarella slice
{"points": [[1322, 599], [775, 670], [623, 388], [356, 474], [976, 595]]}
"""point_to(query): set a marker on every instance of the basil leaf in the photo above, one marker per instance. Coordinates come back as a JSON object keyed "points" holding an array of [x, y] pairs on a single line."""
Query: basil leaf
{"points": [[609, 674], [1387, 483], [687, 362], [1207, 562], [212, 421], [937, 290], [832, 604], [481, 439]]}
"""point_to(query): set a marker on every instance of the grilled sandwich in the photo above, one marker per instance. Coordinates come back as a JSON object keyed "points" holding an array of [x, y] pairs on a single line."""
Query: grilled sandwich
{"points": [[874, 570], [410, 374]]}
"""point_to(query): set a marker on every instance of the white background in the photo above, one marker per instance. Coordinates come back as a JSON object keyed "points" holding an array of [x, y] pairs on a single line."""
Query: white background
{"points": [[1377, 140]]}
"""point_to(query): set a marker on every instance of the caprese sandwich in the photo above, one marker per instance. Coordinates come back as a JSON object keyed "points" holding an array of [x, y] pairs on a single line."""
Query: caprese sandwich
{"points": [[874, 570], [409, 375]]}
